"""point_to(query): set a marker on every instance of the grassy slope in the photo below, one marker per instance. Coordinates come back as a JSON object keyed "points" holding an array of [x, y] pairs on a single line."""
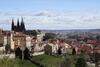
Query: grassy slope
{"points": [[49, 61], [5, 62]]}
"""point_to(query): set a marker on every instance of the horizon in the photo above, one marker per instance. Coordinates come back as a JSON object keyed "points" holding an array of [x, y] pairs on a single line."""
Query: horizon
{"points": [[51, 14], [59, 29]]}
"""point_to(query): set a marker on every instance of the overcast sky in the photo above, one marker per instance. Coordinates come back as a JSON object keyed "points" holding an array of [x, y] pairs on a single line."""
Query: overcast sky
{"points": [[51, 14]]}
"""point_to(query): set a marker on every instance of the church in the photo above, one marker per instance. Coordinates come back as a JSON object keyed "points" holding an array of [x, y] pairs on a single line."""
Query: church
{"points": [[20, 27], [17, 33]]}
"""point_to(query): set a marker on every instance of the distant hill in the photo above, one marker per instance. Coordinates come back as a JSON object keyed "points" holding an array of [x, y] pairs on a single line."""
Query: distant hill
{"points": [[64, 31], [73, 30]]}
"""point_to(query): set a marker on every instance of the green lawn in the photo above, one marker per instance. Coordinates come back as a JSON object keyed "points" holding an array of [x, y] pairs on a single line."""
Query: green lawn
{"points": [[5, 62], [49, 61]]}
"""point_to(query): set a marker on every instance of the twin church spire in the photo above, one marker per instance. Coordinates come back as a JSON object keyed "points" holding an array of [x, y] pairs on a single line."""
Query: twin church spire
{"points": [[20, 27]]}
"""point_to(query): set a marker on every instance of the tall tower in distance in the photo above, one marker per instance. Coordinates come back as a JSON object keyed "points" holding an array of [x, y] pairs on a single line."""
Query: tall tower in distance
{"points": [[12, 25], [20, 27]]}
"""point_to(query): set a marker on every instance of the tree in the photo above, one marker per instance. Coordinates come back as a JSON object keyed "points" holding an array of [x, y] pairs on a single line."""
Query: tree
{"points": [[34, 33], [27, 54], [59, 51], [96, 57], [68, 62], [18, 53], [81, 62], [7, 48], [49, 36], [38, 31], [98, 37], [73, 51]]}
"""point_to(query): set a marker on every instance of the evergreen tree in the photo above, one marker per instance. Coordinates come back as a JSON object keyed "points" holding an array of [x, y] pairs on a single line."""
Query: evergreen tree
{"points": [[73, 51], [81, 62], [7, 48], [38, 31], [68, 62], [59, 51], [34, 33], [49, 36], [96, 58]]}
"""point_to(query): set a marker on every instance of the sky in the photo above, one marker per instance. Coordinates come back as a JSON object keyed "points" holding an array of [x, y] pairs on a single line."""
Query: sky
{"points": [[51, 14]]}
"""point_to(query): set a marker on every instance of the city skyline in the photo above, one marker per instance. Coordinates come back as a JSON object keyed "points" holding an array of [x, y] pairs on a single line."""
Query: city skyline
{"points": [[51, 14]]}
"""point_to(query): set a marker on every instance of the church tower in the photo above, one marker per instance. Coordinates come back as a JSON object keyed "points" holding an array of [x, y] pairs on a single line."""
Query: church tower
{"points": [[12, 25], [22, 26], [18, 26]]}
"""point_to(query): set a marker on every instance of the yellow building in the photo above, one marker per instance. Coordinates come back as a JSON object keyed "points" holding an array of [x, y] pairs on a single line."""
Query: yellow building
{"points": [[5, 37], [18, 39]]}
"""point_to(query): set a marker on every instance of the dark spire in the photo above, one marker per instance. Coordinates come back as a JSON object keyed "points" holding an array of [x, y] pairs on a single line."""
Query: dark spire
{"points": [[22, 25], [18, 26], [22, 20], [12, 25]]}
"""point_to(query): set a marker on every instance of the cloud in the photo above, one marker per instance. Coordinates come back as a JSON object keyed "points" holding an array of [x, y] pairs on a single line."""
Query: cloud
{"points": [[54, 20]]}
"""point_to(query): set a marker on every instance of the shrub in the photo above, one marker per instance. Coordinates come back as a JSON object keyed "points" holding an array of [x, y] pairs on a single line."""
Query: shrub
{"points": [[80, 62]]}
